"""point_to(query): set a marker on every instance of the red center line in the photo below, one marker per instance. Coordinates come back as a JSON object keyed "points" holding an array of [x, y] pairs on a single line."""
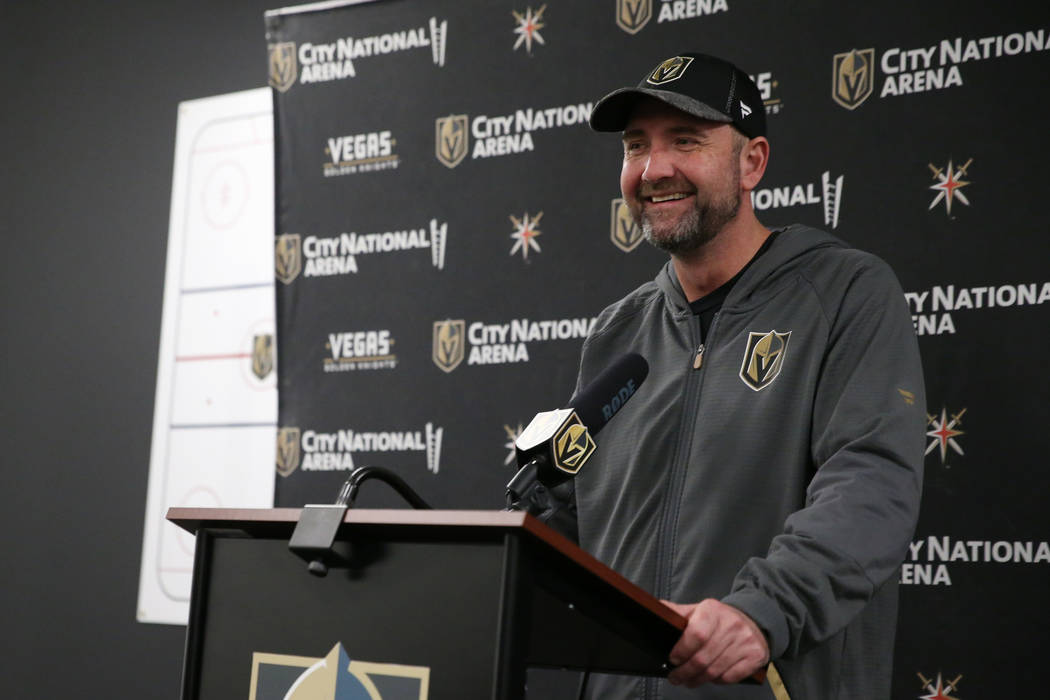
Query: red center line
{"points": [[198, 358]]}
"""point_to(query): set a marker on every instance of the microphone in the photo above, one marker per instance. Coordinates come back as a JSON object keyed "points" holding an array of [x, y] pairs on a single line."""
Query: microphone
{"points": [[556, 444]]}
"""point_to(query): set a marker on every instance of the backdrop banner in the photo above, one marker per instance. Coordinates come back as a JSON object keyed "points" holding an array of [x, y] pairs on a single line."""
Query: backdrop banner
{"points": [[448, 227]]}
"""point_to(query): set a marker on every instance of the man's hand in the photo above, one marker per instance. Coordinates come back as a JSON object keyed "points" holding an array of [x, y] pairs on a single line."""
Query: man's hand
{"points": [[720, 644]]}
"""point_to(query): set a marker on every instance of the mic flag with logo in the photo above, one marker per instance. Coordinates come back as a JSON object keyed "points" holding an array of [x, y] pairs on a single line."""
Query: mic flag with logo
{"points": [[560, 442]]}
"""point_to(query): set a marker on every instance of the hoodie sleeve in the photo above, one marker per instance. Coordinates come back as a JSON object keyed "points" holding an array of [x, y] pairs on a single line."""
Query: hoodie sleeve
{"points": [[862, 502]]}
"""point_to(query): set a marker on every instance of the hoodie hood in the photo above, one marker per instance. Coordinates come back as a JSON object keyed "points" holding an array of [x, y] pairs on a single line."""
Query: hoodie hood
{"points": [[792, 245]]}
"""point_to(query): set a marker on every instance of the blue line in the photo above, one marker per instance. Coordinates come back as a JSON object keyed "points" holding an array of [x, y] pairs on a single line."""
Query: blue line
{"points": [[193, 426], [227, 288]]}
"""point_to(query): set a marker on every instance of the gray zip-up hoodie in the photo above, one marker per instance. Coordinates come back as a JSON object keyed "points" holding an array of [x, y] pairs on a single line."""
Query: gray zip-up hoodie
{"points": [[775, 465]]}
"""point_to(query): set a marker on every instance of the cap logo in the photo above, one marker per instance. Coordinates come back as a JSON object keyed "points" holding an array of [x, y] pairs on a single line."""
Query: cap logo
{"points": [[671, 69], [744, 110]]}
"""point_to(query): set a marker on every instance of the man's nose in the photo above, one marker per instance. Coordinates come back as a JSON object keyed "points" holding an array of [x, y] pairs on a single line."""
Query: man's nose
{"points": [[658, 166]]}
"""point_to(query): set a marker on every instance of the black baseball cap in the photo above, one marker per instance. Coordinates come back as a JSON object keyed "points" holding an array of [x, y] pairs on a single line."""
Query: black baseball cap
{"points": [[698, 84]]}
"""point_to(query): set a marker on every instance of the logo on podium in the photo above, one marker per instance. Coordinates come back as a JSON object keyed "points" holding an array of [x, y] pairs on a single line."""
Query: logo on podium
{"points": [[334, 677]]}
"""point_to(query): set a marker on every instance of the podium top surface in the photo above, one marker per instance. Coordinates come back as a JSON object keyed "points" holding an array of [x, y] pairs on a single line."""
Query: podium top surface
{"points": [[281, 522]]}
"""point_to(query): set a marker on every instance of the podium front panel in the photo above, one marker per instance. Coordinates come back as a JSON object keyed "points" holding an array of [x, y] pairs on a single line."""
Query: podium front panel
{"points": [[421, 603]]}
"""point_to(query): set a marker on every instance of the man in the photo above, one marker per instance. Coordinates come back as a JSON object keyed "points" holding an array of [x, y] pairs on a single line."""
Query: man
{"points": [[766, 477]]}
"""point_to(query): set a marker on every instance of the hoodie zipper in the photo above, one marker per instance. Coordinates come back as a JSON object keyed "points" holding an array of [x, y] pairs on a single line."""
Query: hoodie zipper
{"points": [[678, 469]]}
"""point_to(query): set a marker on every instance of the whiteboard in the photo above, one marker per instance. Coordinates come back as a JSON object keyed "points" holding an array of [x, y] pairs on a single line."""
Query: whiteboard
{"points": [[215, 413]]}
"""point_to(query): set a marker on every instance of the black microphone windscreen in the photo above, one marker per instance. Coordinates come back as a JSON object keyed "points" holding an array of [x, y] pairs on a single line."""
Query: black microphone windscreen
{"points": [[599, 401]]}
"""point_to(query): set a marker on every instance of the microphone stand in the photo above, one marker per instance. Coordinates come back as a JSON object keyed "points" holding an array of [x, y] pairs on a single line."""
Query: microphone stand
{"points": [[318, 524]]}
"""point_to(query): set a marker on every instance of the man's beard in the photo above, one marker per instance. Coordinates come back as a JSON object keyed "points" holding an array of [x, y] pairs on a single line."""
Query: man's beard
{"points": [[697, 227]]}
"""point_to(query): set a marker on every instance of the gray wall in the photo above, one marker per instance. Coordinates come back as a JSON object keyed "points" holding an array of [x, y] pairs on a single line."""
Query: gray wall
{"points": [[90, 93]]}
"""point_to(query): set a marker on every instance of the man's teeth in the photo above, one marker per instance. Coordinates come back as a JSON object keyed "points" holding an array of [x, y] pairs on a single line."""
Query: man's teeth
{"points": [[656, 198]]}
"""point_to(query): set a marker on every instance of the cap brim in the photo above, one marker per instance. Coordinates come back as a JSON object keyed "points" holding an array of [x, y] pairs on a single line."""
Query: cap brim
{"points": [[614, 110]]}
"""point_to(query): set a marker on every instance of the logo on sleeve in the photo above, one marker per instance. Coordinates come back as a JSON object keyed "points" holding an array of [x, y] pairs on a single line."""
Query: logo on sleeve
{"points": [[764, 358]]}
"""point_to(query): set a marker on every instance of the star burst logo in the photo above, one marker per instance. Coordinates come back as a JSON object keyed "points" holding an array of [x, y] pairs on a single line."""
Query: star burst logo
{"points": [[943, 432], [512, 438], [948, 183], [525, 234], [529, 26], [938, 690]]}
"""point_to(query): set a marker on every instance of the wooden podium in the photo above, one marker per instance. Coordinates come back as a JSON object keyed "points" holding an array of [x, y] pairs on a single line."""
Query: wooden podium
{"points": [[473, 596]]}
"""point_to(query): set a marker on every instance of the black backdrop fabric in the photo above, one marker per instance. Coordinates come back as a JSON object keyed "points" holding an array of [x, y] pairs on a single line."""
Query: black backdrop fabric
{"points": [[448, 227]]}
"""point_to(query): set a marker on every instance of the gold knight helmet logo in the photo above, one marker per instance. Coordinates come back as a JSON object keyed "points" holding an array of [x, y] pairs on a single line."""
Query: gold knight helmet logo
{"points": [[573, 445], [288, 257], [449, 344], [450, 139], [283, 68], [287, 450], [853, 77], [624, 232], [632, 15], [262, 355], [671, 69], [763, 358]]}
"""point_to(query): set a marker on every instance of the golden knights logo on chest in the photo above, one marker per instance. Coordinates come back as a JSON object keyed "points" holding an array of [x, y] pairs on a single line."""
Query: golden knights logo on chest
{"points": [[764, 358]]}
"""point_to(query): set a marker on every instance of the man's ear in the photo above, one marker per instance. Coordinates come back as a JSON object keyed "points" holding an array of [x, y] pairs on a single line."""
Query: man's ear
{"points": [[754, 157]]}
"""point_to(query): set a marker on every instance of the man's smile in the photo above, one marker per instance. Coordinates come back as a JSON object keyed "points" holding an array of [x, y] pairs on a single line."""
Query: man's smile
{"points": [[657, 198]]}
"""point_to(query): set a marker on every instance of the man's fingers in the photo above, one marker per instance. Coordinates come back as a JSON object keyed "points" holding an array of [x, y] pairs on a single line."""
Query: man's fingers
{"points": [[698, 630], [719, 644], [705, 665]]}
